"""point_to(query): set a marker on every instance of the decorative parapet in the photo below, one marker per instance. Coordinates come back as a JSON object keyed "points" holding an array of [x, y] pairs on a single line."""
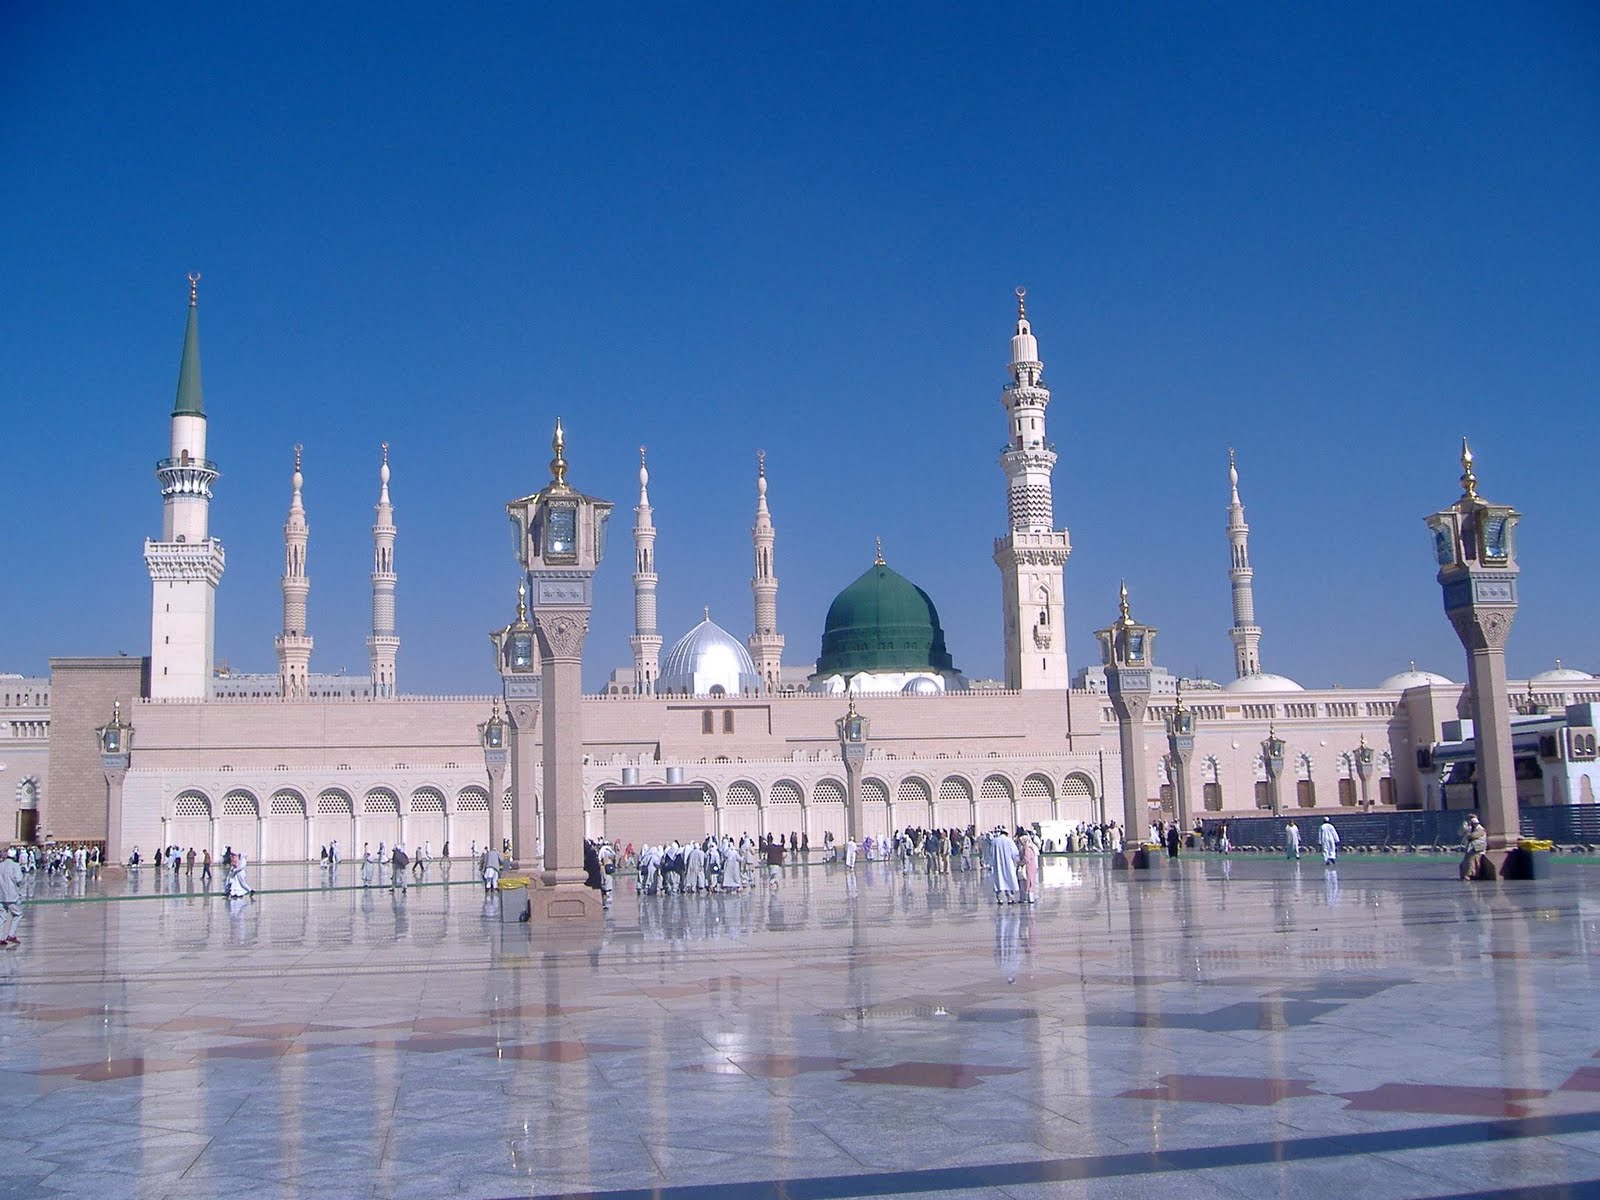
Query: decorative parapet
{"points": [[179, 562]]}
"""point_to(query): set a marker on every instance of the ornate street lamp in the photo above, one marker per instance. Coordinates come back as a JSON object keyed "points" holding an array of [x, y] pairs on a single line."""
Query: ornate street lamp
{"points": [[517, 660], [1127, 648], [1180, 745], [1272, 755], [1364, 759], [1474, 547], [852, 731], [116, 749], [561, 538]]}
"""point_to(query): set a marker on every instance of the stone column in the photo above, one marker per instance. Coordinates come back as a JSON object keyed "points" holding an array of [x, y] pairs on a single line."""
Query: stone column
{"points": [[1130, 708], [1483, 634], [1182, 811], [561, 636], [495, 763], [527, 735], [116, 773]]}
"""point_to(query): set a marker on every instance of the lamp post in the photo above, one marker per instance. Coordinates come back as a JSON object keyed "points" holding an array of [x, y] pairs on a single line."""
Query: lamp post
{"points": [[561, 538], [492, 737], [517, 660], [1127, 649], [1272, 755], [852, 730], [116, 748], [1364, 757], [1476, 553], [1180, 746]]}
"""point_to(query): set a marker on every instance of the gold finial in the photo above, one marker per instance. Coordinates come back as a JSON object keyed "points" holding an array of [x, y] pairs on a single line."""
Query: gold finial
{"points": [[194, 288], [761, 463], [116, 712], [522, 601], [1127, 618], [1363, 741], [878, 558], [1469, 481], [1558, 667], [558, 464], [1022, 304], [495, 715], [851, 711], [1180, 695]]}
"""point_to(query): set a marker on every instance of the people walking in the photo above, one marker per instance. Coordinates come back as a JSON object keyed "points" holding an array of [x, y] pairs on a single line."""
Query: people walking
{"points": [[1291, 840], [399, 860], [1475, 847]]}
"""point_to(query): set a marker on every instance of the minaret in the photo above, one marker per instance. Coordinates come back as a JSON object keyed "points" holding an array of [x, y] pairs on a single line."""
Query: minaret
{"points": [[1245, 634], [1032, 554], [646, 639], [186, 564], [383, 645], [294, 643], [766, 643]]}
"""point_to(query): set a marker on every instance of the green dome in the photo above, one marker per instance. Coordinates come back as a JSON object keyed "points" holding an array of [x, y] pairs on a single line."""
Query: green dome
{"points": [[882, 622]]}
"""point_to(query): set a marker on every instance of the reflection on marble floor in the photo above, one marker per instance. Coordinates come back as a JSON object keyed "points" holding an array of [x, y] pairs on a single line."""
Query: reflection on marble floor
{"points": [[869, 1030]]}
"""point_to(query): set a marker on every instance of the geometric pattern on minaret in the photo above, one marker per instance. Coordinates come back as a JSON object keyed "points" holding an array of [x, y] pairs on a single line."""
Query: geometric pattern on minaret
{"points": [[186, 563], [1245, 633], [383, 646], [294, 643], [766, 643], [1032, 554], [646, 639]]}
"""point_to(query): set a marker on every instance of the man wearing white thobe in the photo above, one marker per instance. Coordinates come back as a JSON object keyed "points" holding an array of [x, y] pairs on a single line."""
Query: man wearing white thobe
{"points": [[850, 854], [1291, 840], [732, 872], [1328, 837], [1005, 866]]}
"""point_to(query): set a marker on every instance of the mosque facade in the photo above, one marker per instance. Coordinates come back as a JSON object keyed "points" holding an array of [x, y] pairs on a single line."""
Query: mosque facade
{"points": [[280, 765]]}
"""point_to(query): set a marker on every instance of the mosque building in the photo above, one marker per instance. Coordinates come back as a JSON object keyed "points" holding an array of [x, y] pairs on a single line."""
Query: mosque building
{"points": [[280, 765]]}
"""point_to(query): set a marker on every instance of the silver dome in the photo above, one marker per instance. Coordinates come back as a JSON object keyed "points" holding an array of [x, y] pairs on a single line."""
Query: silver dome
{"points": [[707, 661]]}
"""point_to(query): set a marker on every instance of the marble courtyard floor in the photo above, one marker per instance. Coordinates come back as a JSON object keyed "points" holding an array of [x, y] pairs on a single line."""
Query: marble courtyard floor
{"points": [[1257, 1028]]}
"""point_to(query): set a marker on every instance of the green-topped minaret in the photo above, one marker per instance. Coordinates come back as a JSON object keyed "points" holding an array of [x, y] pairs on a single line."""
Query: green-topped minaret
{"points": [[186, 563], [190, 401]]}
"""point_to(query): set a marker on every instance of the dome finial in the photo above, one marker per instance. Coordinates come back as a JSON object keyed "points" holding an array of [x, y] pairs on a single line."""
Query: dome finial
{"points": [[194, 288], [644, 478], [1233, 475], [1469, 481], [708, 612], [1122, 601], [761, 463], [1022, 304], [522, 601], [878, 559], [558, 464]]}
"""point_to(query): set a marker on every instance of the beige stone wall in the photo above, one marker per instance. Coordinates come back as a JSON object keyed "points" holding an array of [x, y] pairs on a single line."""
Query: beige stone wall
{"points": [[82, 692]]}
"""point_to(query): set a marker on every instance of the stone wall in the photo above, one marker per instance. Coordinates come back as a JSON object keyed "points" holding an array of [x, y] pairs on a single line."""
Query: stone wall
{"points": [[82, 692]]}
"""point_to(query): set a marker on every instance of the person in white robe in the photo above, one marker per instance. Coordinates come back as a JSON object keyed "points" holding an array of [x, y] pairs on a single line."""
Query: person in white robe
{"points": [[1291, 840], [732, 874], [490, 868], [238, 887], [369, 868], [694, 869], [1328, 838], [850, 854], [1005, 866]]}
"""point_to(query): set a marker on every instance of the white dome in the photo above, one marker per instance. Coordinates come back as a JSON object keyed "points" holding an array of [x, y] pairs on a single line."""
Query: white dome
{"points": [[1263, 681], [1412, 677], [922, 685], [707, 661], [1560, 674]]}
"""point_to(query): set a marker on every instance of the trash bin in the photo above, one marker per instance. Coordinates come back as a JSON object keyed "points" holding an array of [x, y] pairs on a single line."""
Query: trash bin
{"points": [[514, 902]]}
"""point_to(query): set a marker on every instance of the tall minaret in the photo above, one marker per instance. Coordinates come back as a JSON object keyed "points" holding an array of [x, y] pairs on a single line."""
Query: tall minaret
{"points": [[1032, 554], [294, 643], [766, 643], [186, 564], [1245, 634], [646, 639], [383, 645]]}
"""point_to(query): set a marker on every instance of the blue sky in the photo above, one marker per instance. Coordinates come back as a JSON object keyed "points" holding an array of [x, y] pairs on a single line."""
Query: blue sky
{"points": [[1336, 237]]}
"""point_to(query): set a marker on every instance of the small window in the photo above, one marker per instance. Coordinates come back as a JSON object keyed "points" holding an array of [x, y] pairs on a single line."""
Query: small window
{"points": [[727, 720], [705, 721]]}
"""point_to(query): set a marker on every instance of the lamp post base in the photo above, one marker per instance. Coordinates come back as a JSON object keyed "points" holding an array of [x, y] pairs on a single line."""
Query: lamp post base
{"points": [[564, 903], [1137, 858]]}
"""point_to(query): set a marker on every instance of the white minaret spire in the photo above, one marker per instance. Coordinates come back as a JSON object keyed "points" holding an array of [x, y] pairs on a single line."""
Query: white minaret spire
{"points": [[1245, 633], [186, 564], [294, 643], [383, 645], [646, 639], [766, 643], [1032, 554]]}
